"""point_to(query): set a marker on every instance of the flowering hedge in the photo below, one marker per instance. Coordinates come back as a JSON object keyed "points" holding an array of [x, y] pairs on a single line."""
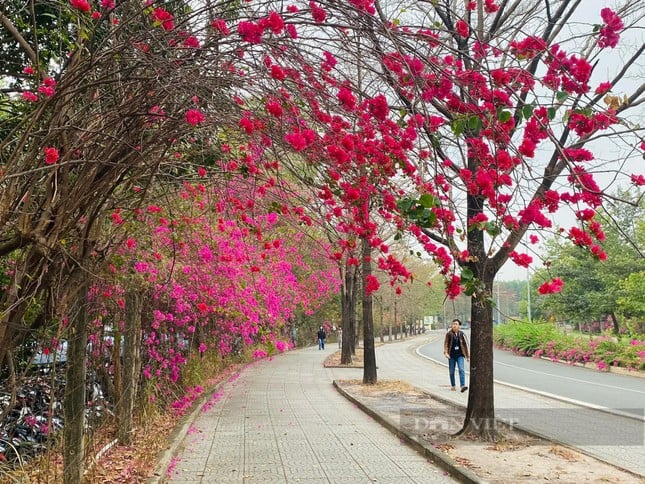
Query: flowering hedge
{"points": [[540, 339]]}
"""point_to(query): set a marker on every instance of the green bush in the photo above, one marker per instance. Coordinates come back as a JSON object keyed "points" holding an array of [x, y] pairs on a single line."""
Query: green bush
{"points": [[545, 339], [524, 338]]}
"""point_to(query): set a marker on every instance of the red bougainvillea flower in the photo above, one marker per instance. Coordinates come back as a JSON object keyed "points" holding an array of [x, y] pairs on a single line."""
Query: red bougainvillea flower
{"points": [[116, 218], [29, 96], [317, 13], [250, 32], [28, 70], [372, 284], [453, 287], [638, 180], [82, 5], [164, 18], [220, 26], [107, 4], [48, 87], [274, 107], [462, 29], [51, 155], [603, 87], [522, 260], [553, 286], [192, 42], [609, 33], [194, 117]]}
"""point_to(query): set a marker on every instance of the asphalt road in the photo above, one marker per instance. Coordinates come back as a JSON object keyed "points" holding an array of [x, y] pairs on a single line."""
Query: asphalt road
{"points": [[621, 394]]}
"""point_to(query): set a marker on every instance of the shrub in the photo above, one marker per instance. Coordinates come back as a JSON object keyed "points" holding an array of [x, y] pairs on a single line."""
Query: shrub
{"points": [[544, 339]]}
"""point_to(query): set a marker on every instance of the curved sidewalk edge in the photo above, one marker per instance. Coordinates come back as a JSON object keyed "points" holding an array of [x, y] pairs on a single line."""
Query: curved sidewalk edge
{"points": [[437, 457]]}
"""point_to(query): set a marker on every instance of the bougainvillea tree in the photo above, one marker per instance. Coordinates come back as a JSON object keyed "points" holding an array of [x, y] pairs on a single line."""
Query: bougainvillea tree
{"points": [[216, 279], [472, 126]]}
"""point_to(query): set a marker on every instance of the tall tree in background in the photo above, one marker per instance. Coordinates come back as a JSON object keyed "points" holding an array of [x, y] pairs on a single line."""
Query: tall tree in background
{"points": [[593, 291]]}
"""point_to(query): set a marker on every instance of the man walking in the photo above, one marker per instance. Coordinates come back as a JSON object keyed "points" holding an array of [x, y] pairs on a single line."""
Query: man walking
{"points": [[321, 338], [455, 348]]}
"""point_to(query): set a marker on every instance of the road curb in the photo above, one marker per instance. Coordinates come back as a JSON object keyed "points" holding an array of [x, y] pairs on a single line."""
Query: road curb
{"points": [[436, 456]]}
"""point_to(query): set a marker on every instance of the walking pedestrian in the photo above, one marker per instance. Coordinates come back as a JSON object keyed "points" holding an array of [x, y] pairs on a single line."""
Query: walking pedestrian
{"points": [[321, 338], [455, 348]]}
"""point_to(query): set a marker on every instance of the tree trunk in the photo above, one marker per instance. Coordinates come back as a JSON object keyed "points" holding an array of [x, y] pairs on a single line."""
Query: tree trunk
{"points": [[614, 321], [74, 399], [369, 355], [346, 325], [480, 414], [348, 308], [131, 367]]}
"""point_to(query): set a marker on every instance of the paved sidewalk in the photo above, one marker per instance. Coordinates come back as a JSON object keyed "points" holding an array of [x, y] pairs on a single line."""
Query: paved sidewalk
{"points": [[282, 421]]}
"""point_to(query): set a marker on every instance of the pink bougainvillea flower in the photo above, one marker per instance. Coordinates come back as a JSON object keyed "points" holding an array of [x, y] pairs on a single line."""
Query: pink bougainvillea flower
{"points": [[82, 5], [194, 117], [28, 70], [51, 155], [107, 4]]}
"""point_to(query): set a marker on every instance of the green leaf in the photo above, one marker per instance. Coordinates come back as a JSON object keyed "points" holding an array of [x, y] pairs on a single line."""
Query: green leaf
{"points": [[474, 123], [551, 113], [469, 290], [562, 96], [405, 204], [504, 116], [492, 229], [427, 200], [466, 274], [527, 111], [458, 126]]}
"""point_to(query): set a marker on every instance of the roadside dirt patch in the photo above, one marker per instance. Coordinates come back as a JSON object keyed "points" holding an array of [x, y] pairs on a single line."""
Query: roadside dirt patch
{"points": [[333, 360], [515, 457]]}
